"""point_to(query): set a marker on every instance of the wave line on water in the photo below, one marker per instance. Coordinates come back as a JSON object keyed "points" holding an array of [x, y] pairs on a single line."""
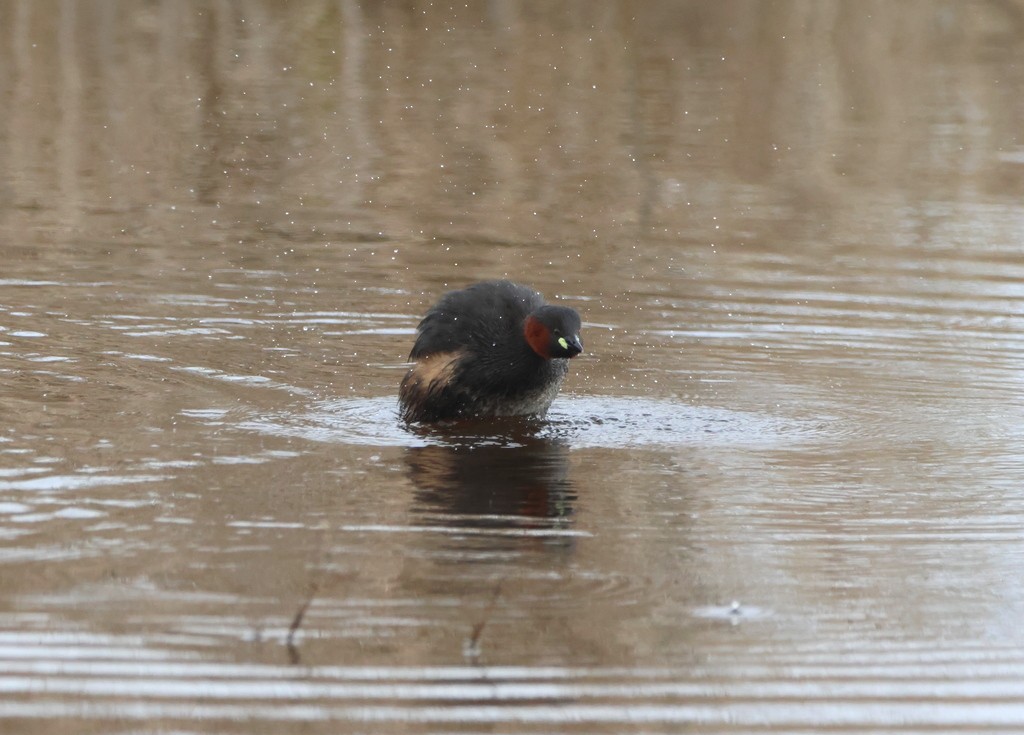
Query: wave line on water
{"points": [[464, 530], [779, 714]]}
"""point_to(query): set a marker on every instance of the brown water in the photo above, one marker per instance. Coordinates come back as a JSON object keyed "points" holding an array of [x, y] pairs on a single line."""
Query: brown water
{"points": [[782, 490]]}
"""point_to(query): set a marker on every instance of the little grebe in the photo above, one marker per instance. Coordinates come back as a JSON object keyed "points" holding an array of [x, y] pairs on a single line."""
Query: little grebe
{"points": [[492, 349]]}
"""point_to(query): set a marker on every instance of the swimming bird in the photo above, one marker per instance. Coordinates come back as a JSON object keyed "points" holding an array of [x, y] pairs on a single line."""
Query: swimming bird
{"points": [[492, 349]]}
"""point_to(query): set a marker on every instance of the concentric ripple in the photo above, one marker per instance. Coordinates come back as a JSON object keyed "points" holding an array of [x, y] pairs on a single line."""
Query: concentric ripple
{"points": [[593, 421]]}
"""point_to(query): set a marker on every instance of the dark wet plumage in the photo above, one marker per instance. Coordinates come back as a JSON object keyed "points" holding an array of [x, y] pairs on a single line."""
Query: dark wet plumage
{"points": [[492, 349]]}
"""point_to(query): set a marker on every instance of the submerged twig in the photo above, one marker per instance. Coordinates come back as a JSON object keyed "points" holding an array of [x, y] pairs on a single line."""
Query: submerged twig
{"points": [[294, 657], [473, 644]]}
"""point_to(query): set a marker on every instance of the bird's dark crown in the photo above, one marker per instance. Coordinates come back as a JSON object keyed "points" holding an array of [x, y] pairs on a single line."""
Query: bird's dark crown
{"points": [[553, 331]]}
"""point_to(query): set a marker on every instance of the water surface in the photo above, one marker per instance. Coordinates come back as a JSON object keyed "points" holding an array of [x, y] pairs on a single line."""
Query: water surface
{"points": [[779, 493]]}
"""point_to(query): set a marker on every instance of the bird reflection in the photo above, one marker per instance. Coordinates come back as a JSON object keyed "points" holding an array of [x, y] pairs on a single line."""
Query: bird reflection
{"points": [[515, 480]]}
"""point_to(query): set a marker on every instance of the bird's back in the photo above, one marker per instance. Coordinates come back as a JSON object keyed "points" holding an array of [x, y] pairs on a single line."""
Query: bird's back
{"points": [[475, 319]]}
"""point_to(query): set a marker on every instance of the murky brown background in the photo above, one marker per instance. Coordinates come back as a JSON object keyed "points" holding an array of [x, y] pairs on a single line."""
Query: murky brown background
{"points": [[781, 492]]}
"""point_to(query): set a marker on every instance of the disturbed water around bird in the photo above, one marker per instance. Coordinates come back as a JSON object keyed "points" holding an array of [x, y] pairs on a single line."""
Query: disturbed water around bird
{"points": [[781, 490]]}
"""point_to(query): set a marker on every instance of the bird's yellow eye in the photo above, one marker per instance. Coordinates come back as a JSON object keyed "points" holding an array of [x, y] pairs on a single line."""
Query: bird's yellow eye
{"points": [[563, 343]]}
